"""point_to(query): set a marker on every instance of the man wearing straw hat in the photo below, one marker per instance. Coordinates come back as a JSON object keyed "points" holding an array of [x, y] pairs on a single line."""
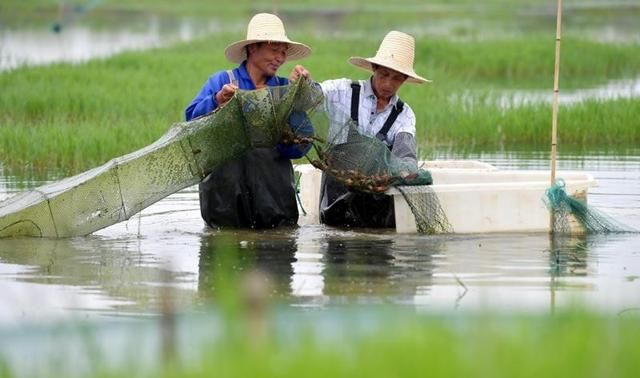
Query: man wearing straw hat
{"points": [[256, 190], [378, 112]]}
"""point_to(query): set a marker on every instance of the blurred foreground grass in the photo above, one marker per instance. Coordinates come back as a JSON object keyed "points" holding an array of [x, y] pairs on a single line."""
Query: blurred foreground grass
{"points": [[562, 346], [347, 343]]}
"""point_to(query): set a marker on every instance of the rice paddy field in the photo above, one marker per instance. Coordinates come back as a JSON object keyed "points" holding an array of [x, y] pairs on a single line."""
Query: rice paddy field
{"points": [[70, 117], [491, 63]]}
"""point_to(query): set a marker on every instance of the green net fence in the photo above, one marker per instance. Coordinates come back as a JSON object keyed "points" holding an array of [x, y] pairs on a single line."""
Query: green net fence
{"points": [[122, 187]]}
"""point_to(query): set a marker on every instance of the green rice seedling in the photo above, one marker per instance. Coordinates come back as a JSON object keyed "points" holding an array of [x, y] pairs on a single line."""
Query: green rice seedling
{"points": [[69, 117]]}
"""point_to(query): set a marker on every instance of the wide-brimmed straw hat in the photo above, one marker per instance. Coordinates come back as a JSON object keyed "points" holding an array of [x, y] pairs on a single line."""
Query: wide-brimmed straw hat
{"points": [[397, 52], [265, 27]]}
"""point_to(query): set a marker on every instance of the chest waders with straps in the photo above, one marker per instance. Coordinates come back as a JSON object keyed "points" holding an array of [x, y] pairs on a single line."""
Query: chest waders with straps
{"points": [[355, 106], [254, 191], [340, 206]]}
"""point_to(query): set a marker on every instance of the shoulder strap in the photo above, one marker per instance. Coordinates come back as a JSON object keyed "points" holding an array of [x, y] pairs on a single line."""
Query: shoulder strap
{"points": [[232, 78], [382, 134], [355, 101]]}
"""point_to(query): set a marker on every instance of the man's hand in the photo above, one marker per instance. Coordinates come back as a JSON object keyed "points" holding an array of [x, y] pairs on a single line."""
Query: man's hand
{"points": [[225, 94], [297, 72]]}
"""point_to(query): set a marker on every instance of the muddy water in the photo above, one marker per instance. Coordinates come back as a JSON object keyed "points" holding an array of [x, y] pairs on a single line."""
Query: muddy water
{"points": [[167, 250]]}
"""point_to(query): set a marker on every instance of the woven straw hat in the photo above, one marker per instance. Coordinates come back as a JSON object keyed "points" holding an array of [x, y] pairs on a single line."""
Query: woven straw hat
{"points": [[396, 52], [265, 27]]}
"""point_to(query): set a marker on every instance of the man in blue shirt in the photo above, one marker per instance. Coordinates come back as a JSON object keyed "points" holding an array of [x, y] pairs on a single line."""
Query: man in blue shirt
{"points": [[256, 190]]}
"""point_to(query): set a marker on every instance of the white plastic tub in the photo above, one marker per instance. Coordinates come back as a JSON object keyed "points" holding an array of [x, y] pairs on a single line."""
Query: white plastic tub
{"points": [[476, 197]]}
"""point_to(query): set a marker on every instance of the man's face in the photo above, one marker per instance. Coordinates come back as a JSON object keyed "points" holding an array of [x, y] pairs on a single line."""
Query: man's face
{"points": [[268, 57], [386, 81]]}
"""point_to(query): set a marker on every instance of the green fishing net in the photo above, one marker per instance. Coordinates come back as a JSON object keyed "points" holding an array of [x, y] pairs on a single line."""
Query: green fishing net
{"points": [[426, 209], [122, 187], [565, 208], [366, 164]]}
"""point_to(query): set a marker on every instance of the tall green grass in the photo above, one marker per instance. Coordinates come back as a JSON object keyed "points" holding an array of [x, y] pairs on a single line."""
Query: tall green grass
{"points": [[71, 117], [592, 125]]}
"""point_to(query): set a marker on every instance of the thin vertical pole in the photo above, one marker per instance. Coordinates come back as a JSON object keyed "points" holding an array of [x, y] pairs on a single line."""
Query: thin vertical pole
{"points": [[554, 120]]}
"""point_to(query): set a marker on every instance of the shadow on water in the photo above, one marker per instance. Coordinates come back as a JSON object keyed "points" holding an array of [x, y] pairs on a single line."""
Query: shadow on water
{"points": [[356, 267]]}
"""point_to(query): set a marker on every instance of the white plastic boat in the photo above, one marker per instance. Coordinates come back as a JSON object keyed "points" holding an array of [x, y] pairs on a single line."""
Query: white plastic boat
{"points": [[476, 197]]}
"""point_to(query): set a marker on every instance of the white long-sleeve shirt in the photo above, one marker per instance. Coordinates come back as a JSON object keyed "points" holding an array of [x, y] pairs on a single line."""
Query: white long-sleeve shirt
{"points": [[337, 104]]}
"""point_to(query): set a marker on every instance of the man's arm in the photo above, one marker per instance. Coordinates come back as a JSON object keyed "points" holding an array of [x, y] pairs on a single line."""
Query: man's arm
{"points": [[404, 147]]}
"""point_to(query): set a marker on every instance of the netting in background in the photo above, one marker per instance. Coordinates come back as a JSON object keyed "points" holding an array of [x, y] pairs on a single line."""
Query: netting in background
{"points": [[565, 207], [366, 164], [122, 187]]}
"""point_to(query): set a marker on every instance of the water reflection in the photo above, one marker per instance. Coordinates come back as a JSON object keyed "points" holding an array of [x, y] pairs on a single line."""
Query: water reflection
{"points": [[272, 253], [357, 267], [568, 255], [528, 272], [46, 278], [383, 269]]}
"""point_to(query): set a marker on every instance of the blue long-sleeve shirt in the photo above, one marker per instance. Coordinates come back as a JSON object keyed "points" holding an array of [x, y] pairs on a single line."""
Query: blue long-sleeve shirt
{"points": [[205, 102]]}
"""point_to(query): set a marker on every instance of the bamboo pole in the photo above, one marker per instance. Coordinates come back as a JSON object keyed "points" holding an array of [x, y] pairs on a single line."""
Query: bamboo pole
{"points": [[554, 119]]}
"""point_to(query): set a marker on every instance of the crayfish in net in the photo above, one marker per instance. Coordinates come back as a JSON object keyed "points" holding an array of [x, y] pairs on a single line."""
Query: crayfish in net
{"points": [[289, 137], [353, 178]]}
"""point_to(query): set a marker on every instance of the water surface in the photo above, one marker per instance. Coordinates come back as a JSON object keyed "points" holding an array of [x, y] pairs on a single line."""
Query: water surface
{"points": [[80, 42], [126, 269]]}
